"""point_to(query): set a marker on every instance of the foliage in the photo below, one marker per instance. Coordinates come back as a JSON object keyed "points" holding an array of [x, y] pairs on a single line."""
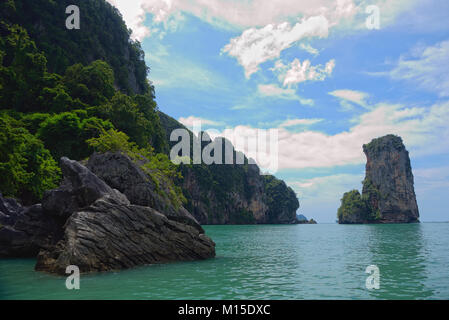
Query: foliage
{"points": [[352, 204], [377, 145], [92, 84], [277, 193], [103, 36], [364, 206], [65, 134], [26, 167]]}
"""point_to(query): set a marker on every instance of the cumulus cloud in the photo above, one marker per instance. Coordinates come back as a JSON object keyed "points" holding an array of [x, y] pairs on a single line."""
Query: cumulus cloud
{"points": [[298, 72], [256, 46], [273, 90], [424, 131], [190, 121], [347, 14], [427, 67], [353, 96]]}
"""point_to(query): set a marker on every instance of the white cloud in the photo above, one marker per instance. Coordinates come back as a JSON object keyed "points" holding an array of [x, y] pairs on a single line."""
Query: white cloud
{"points": [[272, 90], [431, 179], [307, 47], [427, 67], [424, 131], [349, 14], [255, 46], [320, 196], [297, 122], [353, 96], [298, 72], [190, 121], [329, 188]]}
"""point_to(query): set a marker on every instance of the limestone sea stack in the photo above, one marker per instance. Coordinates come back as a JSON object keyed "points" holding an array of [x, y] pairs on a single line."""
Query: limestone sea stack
{"points": [[388, 194]]}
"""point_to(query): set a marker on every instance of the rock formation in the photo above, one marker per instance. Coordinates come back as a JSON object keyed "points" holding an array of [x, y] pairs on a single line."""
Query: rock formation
{"points": [[24, 231], [233, 193], [121, 173], [388, 194], [301, 219], [87, 223]]}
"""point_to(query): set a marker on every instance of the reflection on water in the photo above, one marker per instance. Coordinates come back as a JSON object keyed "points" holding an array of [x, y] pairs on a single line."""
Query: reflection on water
{"points": [[326, 261], [400, 253]]}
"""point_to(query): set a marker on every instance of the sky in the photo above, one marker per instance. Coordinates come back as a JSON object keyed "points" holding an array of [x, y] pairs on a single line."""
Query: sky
{"points": [[322, 73]]}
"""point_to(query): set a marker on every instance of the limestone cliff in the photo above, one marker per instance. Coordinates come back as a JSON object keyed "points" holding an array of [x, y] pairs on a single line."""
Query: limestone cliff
{"points": [[388, 194], [233, 193]]}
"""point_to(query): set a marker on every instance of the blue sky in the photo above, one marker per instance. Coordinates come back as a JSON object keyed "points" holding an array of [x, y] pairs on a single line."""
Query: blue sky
{"points": [[315, 72]]}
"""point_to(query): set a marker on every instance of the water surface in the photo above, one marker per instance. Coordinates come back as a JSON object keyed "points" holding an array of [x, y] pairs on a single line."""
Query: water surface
{"points": [[324, 261]]}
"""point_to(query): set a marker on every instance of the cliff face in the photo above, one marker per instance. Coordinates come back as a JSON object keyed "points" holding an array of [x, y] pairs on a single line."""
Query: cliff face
{"points": [[231, 193], [388, 194]]}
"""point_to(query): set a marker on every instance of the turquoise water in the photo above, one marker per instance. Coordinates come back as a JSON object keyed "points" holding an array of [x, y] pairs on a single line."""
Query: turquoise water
{"points": [[324, 261]]}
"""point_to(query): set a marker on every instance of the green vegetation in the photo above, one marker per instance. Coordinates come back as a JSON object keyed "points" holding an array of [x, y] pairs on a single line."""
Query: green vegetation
{"points": [[363, 206], [103, 36], [352, 204], [26, 167], [277, 192], [68, 93], [376, 145]]}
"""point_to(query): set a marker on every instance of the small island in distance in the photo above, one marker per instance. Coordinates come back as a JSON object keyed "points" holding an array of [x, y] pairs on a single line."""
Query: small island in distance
{"points": [[388, 194]]}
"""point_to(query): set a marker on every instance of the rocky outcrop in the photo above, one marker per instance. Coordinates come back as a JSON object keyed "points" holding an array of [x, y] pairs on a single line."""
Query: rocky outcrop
{"points": [[301, 219], [87, 223], [232, 193], [121, 173], [79, 188], [388, 194], [110, 236], [24, 231]]}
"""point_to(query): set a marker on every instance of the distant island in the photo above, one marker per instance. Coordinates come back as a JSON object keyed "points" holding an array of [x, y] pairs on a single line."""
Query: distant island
{"points": [[301, 219], [388, 194]]}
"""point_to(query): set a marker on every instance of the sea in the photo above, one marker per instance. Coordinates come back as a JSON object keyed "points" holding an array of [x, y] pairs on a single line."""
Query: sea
{"points": [[323, 261]]}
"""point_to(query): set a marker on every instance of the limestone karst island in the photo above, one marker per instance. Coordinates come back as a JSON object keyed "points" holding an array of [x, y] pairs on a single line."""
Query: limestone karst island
{"points": [[388, 194]]}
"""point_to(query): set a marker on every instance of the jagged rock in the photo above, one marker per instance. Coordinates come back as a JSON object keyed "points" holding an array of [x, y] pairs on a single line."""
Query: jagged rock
{"points": [[388, 189], [28, 231], [110, 236], [79, 189], [103, 231], [121, 173], [9, 210]]}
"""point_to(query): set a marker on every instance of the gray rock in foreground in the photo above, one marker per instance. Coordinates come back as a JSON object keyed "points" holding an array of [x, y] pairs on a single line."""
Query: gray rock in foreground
{"points": [[111, 236], [121, 173], [87, 223], [25, 230]]}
